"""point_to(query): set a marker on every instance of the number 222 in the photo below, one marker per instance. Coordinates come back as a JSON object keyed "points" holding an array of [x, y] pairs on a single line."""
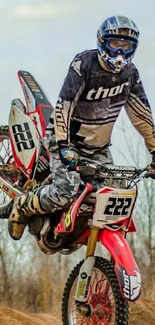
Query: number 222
{"points": [[118, 206]]}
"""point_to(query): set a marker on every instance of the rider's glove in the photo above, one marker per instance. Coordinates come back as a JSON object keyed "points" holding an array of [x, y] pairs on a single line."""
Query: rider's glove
{"points": [[49, 141], [69, 157], [151, 172], [153, 160]]}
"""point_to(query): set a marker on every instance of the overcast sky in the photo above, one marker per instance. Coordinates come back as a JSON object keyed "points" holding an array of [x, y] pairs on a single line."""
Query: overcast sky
{"points": [[42, 37]]}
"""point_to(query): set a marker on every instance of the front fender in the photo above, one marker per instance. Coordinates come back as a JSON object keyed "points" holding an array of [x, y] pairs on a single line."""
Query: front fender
{"points": [[126, 269]]}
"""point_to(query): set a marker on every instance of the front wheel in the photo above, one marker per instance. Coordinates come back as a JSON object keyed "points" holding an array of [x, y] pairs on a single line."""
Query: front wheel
{"points": [[104, 299]]}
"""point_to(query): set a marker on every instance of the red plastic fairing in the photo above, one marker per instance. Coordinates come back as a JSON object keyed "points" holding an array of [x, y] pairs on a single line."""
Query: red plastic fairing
{"points": [[126, 269], [132, 226], [83, 239], [44, 112], [106, 190], [69, 217]]}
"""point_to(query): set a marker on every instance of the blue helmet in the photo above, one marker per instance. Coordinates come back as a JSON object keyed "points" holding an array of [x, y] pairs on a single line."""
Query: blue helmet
{"points": [[117, 40]]}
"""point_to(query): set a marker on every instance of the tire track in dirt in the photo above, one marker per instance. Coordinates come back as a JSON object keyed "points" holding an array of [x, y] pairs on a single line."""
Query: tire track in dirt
{"points": [[141, 313], [14, 317]]}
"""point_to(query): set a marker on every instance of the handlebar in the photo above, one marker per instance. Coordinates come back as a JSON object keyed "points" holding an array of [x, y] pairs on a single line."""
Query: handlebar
{"points": [[111, 170]]}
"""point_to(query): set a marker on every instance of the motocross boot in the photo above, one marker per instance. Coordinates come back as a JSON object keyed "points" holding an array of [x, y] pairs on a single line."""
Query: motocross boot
{"points": [[24, 207]]}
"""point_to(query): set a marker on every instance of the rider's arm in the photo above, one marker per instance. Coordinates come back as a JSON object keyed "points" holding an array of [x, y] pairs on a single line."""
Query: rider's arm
{"points": [[71, 90], [139, 112]]}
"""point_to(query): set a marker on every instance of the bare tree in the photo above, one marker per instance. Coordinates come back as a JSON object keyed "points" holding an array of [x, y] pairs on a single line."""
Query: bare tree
{"points": [[143, 241]]}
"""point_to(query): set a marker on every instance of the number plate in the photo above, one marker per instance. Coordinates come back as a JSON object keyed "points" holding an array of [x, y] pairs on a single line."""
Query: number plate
{"points": [[24, 137], [112, 205]]}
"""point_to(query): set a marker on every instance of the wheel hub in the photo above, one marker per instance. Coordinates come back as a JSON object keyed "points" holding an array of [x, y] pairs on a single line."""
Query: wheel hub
{"points": [[84, 309]]}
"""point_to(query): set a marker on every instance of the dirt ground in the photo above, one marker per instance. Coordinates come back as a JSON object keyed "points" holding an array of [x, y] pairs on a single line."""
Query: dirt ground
{"points": [[141, 313]]}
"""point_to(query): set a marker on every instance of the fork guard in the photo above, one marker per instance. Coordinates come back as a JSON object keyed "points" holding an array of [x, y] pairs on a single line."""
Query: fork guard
{"points": [[126, 269]]}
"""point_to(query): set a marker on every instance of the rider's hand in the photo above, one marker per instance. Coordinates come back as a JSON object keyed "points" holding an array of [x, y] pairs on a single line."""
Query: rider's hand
{"points": [[49, 142], [69, 157], [153, 160]]}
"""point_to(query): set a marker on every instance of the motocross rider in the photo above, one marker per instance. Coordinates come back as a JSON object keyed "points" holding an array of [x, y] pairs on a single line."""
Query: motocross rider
{"points": [[99, 82]]}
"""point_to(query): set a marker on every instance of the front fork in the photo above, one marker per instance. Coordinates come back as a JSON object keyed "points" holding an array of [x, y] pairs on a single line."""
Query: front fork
{"points": [[86, 269]]}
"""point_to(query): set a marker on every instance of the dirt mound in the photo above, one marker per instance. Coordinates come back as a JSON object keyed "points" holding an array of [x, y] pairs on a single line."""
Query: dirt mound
{"points": [[141, 313], [13, 317]]}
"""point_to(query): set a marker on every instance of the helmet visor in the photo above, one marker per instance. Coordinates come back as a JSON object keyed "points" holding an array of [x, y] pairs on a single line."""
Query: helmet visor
{"points": [[119, 45]]}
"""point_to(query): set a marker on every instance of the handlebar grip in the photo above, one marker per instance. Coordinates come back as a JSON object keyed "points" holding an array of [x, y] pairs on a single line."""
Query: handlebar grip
{"points": [[150, 174]]}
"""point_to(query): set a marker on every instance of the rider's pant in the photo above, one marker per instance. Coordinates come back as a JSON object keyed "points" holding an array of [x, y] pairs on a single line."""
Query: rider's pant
{"points": [[49, 198], [65, 183]]}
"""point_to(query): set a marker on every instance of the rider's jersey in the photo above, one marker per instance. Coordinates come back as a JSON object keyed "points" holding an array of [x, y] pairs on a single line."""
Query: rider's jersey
{"points": [[91, 99]]}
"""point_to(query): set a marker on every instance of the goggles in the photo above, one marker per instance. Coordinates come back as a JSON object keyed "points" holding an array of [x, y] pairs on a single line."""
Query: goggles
{"points": [[123, 46]]}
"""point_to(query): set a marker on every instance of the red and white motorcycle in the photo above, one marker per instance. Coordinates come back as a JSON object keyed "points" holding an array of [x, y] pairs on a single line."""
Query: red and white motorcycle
{"points": [[98, 290]]}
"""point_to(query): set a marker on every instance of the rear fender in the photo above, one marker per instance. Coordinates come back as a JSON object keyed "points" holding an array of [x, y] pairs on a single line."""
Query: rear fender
{"points": [[126, 269], [37, 103], [33, 92]]}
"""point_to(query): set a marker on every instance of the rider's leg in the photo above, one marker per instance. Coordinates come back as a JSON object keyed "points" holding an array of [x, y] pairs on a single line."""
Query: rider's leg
{"points": [[48, 198], [63, 189], [24, 206], [104, 156]]}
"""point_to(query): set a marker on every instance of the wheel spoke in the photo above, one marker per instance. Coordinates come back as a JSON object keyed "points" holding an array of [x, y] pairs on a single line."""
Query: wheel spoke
{"points": [[105, 304], [6, 158], [100, 298]]}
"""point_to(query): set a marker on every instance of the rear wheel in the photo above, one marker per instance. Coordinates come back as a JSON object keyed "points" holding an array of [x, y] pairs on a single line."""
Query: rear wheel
{"points": [[106, 304], [6, 159]]}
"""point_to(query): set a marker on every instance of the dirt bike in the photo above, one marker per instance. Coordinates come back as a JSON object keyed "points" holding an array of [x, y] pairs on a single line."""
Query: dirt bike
{"points": [[97, 290]]}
